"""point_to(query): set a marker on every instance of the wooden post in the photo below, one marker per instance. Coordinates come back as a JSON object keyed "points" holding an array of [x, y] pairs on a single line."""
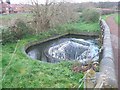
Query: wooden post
{"points": [[88, 81]]}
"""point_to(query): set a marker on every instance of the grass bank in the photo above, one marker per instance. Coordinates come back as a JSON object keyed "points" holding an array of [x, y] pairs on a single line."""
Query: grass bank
{"points": [[13, 16], [8, 19], [105, 16], [21, 71], [117, 18]]}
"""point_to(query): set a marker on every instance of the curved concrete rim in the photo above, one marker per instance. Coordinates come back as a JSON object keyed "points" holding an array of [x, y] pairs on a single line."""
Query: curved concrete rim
{"points": [[28, 45]]}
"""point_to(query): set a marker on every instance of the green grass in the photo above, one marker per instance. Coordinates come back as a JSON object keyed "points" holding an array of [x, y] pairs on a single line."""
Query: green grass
{"points": [[24, 72], [13, 16], [28, 73], [117, 18], [7, 20], [105, 16], [84, 27]]}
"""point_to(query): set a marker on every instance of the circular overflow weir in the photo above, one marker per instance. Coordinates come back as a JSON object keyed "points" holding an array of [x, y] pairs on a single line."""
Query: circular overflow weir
{"points": [[83, 48]]}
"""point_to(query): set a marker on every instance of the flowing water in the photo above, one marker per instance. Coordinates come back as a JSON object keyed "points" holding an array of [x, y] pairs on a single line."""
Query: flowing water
{"points": [[69, 47]]}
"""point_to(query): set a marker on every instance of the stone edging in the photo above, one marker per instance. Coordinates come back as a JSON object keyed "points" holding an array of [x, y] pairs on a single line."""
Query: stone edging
{"points": [[58, 36], [107, 70], [32, 43]]}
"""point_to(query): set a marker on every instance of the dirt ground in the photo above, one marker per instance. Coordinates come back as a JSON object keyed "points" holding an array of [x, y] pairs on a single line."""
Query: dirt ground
{"points": [[115, 37]]}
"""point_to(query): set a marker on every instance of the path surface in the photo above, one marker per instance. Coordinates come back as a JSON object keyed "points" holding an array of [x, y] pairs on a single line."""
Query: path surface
{"points": [[115, 37]]}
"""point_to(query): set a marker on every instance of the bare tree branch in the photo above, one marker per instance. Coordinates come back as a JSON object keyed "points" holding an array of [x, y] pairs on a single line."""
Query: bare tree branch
{"points": [[51, 14]]}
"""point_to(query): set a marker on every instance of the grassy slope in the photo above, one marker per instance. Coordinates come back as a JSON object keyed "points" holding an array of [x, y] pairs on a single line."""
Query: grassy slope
{"points": [[7, 20], [117, 18], [33, 73], [24, 72], [105, 16], [116, 15], [84, 27], [13, 16]]}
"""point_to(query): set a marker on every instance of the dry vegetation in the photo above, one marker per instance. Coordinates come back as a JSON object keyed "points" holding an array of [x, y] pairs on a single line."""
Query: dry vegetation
{"points": [[52, 14]]}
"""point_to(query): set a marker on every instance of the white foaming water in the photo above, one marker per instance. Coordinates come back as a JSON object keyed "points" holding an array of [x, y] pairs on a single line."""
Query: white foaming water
{"points": [[75, 49]]}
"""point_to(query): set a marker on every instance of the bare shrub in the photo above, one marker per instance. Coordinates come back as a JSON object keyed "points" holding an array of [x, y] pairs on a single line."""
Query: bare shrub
{"points": [[52, 14], [91, 15], [17, 31]]}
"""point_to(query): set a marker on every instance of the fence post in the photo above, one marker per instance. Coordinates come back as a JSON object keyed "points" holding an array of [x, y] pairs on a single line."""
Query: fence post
{"points": [[89, 79]]}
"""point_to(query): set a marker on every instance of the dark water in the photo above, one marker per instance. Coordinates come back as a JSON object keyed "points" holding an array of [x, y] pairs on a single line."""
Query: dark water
{"points": [[68, 47]]}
